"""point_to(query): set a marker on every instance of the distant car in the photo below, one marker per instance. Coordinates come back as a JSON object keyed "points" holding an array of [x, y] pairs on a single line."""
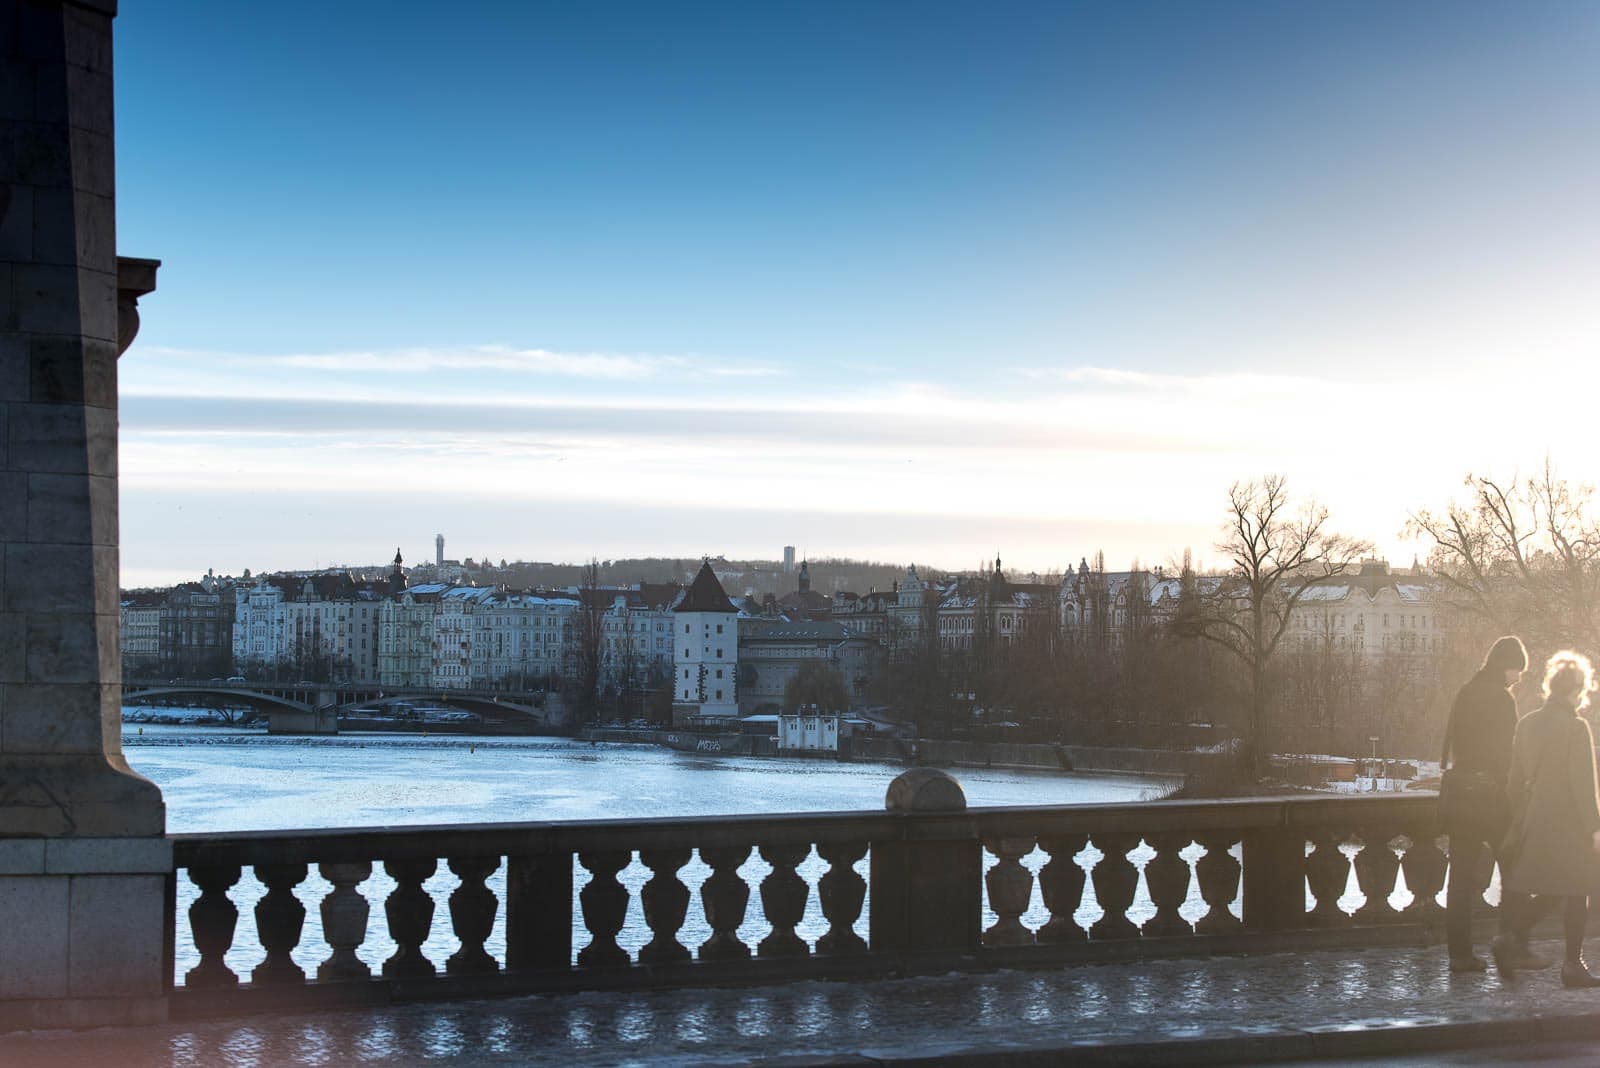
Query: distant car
{"points": [[236, 678]]}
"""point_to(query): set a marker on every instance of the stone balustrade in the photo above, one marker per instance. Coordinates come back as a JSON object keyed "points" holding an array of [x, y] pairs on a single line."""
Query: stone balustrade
{"points": [[951, 888]]}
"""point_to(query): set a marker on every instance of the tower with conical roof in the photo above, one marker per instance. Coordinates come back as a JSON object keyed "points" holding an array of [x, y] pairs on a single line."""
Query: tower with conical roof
{"points": [[705, 653]]}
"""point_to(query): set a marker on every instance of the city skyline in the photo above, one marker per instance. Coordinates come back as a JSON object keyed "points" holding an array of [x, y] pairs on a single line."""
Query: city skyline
{"points": [[1045, 279]]}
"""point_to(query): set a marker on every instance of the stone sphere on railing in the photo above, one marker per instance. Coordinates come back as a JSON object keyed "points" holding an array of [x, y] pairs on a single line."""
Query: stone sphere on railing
{"points": [[925, 790]]}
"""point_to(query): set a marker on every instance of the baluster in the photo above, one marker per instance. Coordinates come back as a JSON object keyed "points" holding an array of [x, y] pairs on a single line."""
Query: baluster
{"points": [[211, 921], [472, 910], [605, 907], [724, 896], [279, 919], [1061, 882], [1424, 865], [783, 900], [666, 901], [1327, 874], [1010, 887], [409, 910], [344, 921], [1167, 876], [841, 890], [1218, 872], [1377, 866], [1116, 879]]}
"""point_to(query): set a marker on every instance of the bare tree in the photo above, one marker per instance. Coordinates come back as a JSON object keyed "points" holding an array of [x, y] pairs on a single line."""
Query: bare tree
{"points": [[584, 642], [1522, 555], [816, 683], [1277, 553]]}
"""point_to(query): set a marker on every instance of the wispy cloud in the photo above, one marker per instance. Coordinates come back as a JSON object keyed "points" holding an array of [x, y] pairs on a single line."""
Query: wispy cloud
{"points": [[502, 358]]}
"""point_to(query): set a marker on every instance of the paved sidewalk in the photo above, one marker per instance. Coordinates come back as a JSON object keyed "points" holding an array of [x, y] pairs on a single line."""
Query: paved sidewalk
{"points": [[1341, 1005]]}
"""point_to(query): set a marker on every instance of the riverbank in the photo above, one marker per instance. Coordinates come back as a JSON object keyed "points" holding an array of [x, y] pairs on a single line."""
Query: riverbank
{"points": [[880, 749]]}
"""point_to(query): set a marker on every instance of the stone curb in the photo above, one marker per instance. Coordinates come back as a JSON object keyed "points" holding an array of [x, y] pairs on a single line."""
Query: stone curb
{"points": [[1288, 1045]]}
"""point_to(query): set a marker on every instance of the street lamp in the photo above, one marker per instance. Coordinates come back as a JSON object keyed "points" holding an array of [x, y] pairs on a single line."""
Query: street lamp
{"points": [[1373, 738]]}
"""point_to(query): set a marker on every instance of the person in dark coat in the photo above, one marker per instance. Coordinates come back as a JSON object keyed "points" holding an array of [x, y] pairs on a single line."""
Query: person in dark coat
{"points": [[1554, 842], [1477, 755]]}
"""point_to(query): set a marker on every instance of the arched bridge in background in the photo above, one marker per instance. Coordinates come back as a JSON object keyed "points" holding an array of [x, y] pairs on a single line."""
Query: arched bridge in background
{"points": [[315, 708]]}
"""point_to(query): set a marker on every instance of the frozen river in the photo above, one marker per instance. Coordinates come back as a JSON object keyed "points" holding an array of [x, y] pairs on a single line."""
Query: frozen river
{"points": [[222, 779], [225, 779]]}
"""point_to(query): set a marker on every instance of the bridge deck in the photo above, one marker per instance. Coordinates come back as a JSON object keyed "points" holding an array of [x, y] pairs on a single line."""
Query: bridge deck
{"points": [[1281, 1007]]}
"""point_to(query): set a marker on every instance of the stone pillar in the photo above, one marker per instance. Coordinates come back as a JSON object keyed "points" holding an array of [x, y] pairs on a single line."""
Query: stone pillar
{"points": [[926, 883], [84, 859]]}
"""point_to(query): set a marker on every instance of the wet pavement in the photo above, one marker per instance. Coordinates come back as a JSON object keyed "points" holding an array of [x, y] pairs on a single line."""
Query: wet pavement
{"points": [[1222, 1002]]}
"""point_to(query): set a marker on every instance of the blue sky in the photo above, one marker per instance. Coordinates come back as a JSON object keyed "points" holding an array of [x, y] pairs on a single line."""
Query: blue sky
{"points": [[910, 280]]}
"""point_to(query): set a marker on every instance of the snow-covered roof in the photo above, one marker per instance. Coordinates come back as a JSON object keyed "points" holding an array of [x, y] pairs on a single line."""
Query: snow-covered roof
{"points": [[1325, 593], [1412, 593]]}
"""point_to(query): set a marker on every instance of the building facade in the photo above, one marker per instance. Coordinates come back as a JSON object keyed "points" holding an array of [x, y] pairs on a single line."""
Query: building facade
{"points": [[705, 654]]}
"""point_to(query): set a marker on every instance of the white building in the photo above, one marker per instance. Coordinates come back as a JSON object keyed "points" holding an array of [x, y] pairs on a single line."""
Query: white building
{"points": [[519, 638], [636, 635], [455, 633], [1375, 613], [405, 636], [331, 631], [258, 626], [705, 653], [808, 731], [140, 619]]}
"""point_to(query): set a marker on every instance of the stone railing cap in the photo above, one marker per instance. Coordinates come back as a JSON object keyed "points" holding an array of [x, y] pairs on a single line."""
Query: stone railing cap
{"points": [[135, 276], [925, 790]]}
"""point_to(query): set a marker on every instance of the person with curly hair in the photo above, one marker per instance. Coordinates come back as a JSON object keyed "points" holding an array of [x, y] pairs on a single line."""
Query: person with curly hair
{"points": [[1552, 850]]}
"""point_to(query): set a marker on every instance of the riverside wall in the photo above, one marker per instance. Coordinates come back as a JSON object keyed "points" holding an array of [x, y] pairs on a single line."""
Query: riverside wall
{"points": [[936, 753]]}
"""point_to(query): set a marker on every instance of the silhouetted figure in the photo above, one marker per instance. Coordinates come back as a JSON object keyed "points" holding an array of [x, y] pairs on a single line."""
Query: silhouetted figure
{"points": [[1476, 760], [1553, 847]]}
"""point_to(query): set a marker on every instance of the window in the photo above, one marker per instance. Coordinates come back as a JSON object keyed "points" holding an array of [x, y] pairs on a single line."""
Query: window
{"points": [[719, 628], [719, 654], [719, 673], [685, 672], [686, 628], [719, 695]]}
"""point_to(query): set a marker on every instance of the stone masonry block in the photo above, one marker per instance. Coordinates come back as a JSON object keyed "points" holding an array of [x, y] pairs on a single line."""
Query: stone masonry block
{"points": [[10, 307], [35, 154], [116, 936], [21, 856], [14, 351], [45, 579], [71, 509], [13, 654], [73, 370], [88, 37], [34, 936], [47, 297], [13, 501], [16, 88], [41, 32], [64, 649], [56, 719], [63, 439], [16, 222], [60, 718], [108, 856], [94, 168], [73, 96], [54, 237]]}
